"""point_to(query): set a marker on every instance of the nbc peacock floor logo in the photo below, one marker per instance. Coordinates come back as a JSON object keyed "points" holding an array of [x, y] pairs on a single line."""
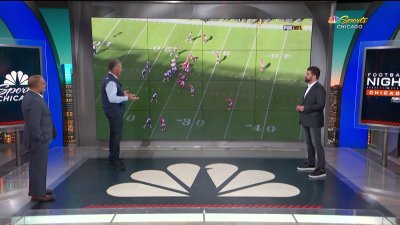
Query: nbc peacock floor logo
{"points": [[14, 87], [225, 177]]}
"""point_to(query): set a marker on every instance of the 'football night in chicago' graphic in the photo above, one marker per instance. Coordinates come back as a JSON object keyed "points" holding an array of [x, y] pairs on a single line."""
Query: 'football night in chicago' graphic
{"points": [[381, 87], [383, 84]]}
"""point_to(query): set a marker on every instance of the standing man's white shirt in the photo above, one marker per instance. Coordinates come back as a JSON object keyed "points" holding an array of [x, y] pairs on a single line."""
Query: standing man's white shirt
{"points": [[111, 90], [309, 87]]}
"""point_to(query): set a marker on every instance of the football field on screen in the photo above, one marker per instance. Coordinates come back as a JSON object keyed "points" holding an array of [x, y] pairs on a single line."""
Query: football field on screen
{"points": [[263, 101]]}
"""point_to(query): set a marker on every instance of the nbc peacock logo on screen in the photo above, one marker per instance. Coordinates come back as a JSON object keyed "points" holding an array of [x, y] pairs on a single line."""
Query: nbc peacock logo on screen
{"points": [[346, 22], [333, 19], [14, 86]]}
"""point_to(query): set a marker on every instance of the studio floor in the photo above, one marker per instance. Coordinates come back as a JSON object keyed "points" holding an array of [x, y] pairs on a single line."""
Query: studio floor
{"points": [[205, 181]]}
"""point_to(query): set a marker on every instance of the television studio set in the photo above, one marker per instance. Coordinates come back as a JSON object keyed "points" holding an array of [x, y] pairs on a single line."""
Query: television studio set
{"points": [[199, 112]]}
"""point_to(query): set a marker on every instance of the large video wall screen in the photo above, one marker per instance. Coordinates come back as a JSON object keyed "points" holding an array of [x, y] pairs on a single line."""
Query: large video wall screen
{"points": [[235, 79]]}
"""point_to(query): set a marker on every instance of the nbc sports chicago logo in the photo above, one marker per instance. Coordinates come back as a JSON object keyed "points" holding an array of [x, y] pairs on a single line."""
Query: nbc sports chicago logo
{"points": [[14, 86], [178, 179], [345, 22]]}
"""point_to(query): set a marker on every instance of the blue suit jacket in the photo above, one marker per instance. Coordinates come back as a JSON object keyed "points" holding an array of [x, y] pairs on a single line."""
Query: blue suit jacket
{"points": [[39, 126]]}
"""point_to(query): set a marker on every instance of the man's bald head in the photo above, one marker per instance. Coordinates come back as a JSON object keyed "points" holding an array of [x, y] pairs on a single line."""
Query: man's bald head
{"points": [[37, 83], [34, 81]]}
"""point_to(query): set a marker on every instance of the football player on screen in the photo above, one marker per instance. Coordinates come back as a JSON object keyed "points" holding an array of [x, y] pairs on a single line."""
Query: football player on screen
{"points": [[174, 52], [144, 72], [230, 103], [191, 58], [181, 80], [154, 97], [186, 67], [148, 123], [191, 89], [174, 68], [162, 122], [189, 37], [147, 66], [166, 76], [204, 38], [108, 45], [262, 65]]}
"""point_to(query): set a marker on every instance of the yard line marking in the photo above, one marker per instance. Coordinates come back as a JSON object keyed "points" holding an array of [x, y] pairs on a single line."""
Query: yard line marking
{"points": [[151, 68], [169, 96], [98, 98], [119, 20], [240, 84], [205, 90], [273, 85], [134, 43]]}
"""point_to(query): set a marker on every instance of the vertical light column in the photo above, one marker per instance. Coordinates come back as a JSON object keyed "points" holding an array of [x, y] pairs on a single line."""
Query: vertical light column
{"points": [[69, 108]]}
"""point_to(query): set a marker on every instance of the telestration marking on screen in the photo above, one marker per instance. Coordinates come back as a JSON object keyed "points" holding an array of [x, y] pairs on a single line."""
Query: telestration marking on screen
{"points": [[381, 87], [16, 65]]}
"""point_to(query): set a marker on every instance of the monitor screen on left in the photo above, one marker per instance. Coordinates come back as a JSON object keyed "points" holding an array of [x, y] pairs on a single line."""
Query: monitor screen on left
{"points": [[17, 63]]}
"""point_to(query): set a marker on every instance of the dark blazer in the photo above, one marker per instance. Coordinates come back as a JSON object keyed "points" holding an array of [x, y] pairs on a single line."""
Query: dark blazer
{"points": [[314, 103], [38, 123]]}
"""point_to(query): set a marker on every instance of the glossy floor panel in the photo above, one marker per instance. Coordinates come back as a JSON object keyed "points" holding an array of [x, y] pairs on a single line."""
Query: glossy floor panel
{"points": [[218, 182], [369, 180]]}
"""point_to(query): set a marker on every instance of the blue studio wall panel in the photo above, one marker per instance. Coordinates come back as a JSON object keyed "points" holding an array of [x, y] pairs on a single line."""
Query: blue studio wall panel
{"points": [[381, 25], [23, 24]]}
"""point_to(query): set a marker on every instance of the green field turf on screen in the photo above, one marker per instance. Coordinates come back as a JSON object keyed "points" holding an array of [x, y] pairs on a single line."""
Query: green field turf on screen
{"points": [[263, 102]]}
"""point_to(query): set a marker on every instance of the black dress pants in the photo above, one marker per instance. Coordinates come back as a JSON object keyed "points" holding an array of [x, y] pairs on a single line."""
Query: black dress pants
{"points": [[115, 121], [38, 153]]}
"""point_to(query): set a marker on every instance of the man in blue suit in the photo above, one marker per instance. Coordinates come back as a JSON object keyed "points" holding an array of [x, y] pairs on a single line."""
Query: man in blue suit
{"points": [[113, 102], [312, 120], [38, 133]]}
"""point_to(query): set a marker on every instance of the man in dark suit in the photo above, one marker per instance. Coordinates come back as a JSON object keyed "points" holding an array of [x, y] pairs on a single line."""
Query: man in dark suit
{"points": [[113, 101], [312, 120], [38, 133]]}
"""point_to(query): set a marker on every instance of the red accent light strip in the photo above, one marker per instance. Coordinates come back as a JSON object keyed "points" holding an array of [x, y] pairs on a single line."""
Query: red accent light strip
{"points": [[203, 206], [12, 122], [381, 122]]}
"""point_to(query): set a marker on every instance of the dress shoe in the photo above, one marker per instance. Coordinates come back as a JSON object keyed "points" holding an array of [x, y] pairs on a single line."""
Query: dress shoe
{"points": [[117, 165], [44, 198], [48, 192]]}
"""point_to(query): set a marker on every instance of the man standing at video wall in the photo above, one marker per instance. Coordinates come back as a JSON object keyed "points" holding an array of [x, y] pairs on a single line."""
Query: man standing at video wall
{"points": [[113, 101], [312, 120]]}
